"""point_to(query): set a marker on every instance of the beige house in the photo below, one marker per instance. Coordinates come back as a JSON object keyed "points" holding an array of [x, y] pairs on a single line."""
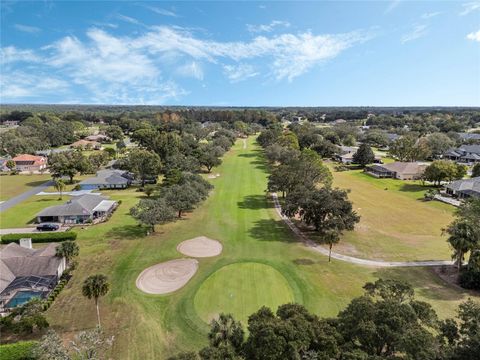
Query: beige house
{"points": [[397, 170]]}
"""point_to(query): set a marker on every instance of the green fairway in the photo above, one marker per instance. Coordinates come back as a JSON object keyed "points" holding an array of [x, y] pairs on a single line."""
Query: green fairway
{"points": [[261, 285], [261, 263]]}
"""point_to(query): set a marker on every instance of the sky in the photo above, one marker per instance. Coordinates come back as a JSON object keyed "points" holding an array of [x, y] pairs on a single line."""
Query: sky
{"points": [[324, 53]]}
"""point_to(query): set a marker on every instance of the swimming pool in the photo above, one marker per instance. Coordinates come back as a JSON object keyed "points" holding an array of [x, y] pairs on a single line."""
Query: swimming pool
{"points": [[22, 297]]}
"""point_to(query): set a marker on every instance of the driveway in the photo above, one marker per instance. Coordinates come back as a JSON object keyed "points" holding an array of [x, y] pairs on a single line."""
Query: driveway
{"points": [[24, 196], [28, 230]]}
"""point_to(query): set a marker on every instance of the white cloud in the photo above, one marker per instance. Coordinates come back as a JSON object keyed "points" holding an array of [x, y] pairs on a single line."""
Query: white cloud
{"points": [[11, 54], [27, 28], [430, 15], [132, 69], [236, 73], [267, 27], [160, 11], [289, 55], [469, 7], [19, 84], [475, 36], [128, 19], [417, 32], [192, 69], [392, 6]]}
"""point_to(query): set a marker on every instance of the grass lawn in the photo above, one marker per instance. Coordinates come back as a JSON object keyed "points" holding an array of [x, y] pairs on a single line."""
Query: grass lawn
{"points": [[261, 264], [396, 223], [13, 185], [23, 214]]}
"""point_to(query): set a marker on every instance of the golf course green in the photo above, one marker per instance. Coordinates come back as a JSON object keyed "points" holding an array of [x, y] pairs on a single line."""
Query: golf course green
{"points": [[260, 285]]}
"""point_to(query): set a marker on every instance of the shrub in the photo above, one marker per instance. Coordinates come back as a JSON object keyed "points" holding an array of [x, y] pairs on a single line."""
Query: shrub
{"points": [[469, 278], [22, 350], [40, 237]]}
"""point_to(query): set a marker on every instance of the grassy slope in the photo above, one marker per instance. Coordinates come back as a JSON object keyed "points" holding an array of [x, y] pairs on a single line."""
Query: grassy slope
{"points": [[396, 224], [11, 186], [240, 215]]}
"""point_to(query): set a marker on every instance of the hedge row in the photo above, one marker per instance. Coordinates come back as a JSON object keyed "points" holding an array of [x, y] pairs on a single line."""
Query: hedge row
{"points": [[40, 237], [54, 294], [22, 350]]}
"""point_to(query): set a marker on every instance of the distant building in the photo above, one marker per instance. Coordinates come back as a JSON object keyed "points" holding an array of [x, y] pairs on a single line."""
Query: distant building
{"points": [[98, 138], [398, 170], [27, 162], [79, 210], [347, 152], [468, 154], [86, 144], [3, 164], [107, 179], [464, 188], [28, 273], [469, 136], [49, 152]]}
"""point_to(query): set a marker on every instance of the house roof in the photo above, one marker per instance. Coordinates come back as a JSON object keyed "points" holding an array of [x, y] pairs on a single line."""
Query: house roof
{"points": [[469, 136], [35, 160], [17, 261], [474, 149], [401, 167], [466, 186], [82, 205], [108, 177], [105, 205], [84, 143]]}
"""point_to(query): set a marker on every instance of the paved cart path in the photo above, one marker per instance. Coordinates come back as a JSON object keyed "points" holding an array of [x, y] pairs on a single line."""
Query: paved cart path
{"points": [[351, 259]]}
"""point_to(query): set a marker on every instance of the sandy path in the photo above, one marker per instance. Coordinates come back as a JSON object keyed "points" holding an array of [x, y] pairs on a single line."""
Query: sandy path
{"points": [[167, 277], [244, 143], [200, 247], [351, 259]]}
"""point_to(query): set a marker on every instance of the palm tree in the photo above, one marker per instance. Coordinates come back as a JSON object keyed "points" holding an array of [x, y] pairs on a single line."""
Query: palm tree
{"points": [[226, 330], [462, 239], [68, 250], [60, 186], [95, 286]]}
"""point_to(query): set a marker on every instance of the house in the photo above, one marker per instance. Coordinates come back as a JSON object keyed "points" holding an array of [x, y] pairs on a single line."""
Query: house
{"points": [[397, 170], [49, 152], [28, 273], [79, 210], [27, 162], [464, 188], [468, 154], [347, 152], [469, 137], [3, 164], [98, 138], [108, 179], [86, 144]]}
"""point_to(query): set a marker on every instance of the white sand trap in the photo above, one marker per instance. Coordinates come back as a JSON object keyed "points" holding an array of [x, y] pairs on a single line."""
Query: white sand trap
{"points": [[167, 277], [200, 247]]}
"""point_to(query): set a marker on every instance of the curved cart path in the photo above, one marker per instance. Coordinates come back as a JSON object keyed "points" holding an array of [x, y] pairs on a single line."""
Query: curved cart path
{"points": [[351, 259], [24, 196]]}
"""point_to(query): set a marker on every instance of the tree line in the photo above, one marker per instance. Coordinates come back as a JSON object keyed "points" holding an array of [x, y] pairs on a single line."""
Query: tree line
{"points": [[386, 322]]}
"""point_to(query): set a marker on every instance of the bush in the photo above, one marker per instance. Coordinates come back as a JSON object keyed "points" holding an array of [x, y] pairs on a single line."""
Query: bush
{"points": [[469, 278], [40, 237], [22, 350]]}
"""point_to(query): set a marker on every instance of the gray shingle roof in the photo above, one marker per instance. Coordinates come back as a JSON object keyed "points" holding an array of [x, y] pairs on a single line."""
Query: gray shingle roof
{"points": [[402, 167], [108, 177], [17, 261], [81, 205], [467, 186]]}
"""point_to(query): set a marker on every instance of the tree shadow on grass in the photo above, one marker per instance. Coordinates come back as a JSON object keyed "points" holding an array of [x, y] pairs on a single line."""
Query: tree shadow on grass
{"points": [[128, 232], [412, 188], [37, 183], [426, 283], [271, 230], [254, 202]]}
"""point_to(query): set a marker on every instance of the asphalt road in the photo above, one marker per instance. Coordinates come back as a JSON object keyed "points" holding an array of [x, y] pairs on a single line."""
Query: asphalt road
{"points": [[24, 196], [29, 230]]}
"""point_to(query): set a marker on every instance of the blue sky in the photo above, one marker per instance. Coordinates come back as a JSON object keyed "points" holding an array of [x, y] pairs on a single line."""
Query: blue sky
{"points": [[376, 53]]}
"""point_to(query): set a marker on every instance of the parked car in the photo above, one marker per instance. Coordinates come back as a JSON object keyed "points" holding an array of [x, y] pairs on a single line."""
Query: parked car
{"points": [[48, 227]]}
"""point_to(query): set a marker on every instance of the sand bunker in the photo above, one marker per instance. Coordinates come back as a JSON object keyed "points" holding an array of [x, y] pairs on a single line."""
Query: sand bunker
{"points": [[200, 247], [167, 277]]}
